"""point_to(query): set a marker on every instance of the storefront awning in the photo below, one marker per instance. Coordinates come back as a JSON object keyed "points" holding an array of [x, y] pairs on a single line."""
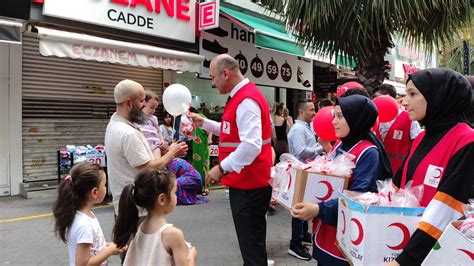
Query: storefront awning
{"points": [[267, 33], [10, 31], [273, 36], [87, 47]]}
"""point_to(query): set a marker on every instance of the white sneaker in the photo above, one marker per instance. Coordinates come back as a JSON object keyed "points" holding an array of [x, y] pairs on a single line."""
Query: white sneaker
{"points": [[270, 262]]}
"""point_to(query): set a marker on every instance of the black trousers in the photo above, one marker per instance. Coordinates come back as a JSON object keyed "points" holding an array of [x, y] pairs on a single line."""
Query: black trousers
{"points": [[298, 231], [248, 212]]}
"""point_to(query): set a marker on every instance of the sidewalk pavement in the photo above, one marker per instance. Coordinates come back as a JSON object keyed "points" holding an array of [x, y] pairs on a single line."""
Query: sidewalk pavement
{"points": [[209, 227]]}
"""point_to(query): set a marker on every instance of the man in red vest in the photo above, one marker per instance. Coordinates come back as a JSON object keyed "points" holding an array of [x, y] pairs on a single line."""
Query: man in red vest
{"points": [[245, 155], [398, 134]]}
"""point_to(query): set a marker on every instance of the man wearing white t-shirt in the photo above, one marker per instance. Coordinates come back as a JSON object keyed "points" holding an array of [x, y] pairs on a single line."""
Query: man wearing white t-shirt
{"points": [[128, 151]]}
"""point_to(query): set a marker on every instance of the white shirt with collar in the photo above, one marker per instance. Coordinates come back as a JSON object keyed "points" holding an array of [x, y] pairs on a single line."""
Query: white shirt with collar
{"points": [[249, 117]]}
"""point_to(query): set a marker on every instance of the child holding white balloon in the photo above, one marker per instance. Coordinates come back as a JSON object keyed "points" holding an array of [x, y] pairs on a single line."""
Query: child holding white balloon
{"points": [[150, 127]]}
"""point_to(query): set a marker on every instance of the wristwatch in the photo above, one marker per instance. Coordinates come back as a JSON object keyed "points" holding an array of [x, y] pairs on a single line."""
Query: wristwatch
{"points": [[223, 172]]}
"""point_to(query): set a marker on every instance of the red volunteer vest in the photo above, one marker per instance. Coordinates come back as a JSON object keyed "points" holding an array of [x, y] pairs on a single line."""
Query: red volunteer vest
{"points": [[325, 235], [397, 142], [257, 174], [429, 171]]}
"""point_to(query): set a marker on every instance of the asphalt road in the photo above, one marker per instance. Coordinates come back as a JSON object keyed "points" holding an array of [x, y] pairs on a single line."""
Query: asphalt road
{"points": [[27, 238]]}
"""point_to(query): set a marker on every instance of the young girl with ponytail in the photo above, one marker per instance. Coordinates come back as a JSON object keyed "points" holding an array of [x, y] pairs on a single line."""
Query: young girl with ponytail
{"points": [[75, 223], [155, 241]]}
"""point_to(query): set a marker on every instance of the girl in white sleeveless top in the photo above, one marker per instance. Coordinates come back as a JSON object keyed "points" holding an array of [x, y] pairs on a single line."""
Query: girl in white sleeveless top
{"points": [[155, 241]]}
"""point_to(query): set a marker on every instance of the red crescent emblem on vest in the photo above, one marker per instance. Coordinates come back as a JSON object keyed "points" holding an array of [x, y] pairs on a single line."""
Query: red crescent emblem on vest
{"points": [[469, 253], [405, 239], [329, 193], [344, 222], [437, 173], [360, 236]]}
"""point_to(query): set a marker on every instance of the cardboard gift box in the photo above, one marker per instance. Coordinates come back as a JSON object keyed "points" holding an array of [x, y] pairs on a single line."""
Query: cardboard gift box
{"points": [[373, 235], [301, 185], [452, 248]]}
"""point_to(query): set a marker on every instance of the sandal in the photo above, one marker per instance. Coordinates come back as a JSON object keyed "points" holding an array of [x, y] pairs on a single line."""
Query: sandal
{"points": [[205, 192]]}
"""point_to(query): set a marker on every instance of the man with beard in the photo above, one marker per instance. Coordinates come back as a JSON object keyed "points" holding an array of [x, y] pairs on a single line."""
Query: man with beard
{"points": [[128, 151]]}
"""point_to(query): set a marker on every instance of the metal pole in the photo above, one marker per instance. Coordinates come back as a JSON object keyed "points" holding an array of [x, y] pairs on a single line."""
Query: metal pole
{"points": [[466, 57]]}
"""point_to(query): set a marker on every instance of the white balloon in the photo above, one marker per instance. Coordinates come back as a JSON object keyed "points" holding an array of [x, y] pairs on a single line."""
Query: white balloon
{"points": [[176, 99]]}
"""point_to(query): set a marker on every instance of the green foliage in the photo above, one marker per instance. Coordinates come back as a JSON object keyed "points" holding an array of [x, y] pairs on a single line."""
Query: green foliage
{"points": [[362, 28], [451, 55]]}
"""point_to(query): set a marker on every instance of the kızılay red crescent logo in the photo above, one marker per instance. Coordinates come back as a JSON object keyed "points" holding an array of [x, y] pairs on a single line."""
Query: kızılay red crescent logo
{"points": [[437, 173], [467, 252], [360, 235], [329, 190], [405, 239], [434, 171]]}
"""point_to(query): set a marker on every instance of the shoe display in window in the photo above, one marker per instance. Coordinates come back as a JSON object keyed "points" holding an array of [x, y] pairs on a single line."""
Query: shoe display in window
{"points": [[214, 47], [218, 32], [299, 78]]}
